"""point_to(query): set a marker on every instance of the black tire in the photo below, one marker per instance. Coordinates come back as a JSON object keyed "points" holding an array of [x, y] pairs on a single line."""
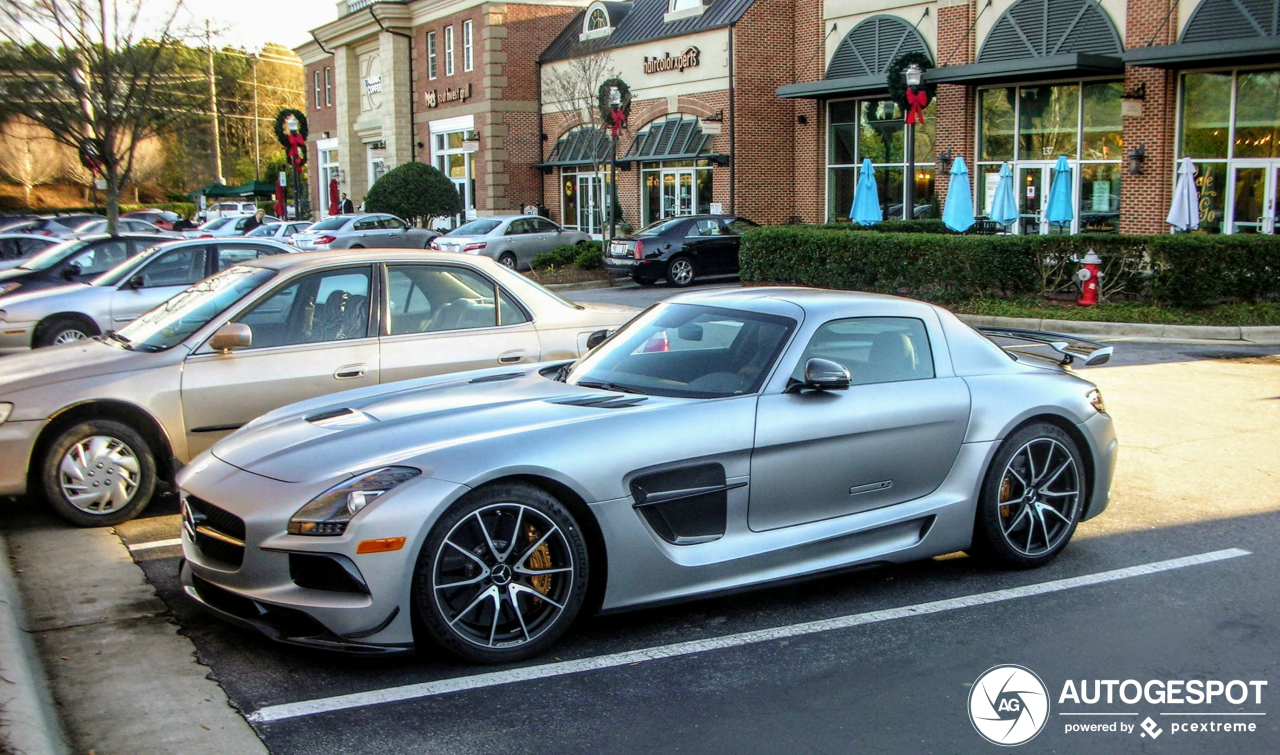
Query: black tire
{"points": [[120, 444], [1016, 502], [644, 281], [356, 246], [63, 329], [554, 542], [508, 260], [676, 272]]}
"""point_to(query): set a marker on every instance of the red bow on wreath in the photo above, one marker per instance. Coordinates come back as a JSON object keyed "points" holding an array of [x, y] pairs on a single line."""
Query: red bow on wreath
{"points": [[297, 150], [618, 116], [917, 99]]}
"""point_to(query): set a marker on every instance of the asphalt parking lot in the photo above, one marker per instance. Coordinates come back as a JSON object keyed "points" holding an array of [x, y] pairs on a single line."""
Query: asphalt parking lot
{"points": [[1176, 581]]}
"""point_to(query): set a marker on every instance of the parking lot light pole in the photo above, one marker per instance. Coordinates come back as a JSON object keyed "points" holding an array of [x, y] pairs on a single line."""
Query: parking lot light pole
{"points": [[914, 75]]}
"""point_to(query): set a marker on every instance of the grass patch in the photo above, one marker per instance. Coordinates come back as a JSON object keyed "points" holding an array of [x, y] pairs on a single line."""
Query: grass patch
{"points": [[1223, 314]]}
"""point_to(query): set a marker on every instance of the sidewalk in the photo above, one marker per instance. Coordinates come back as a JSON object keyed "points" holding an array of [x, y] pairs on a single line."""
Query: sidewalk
{"points": [[123, 680]]}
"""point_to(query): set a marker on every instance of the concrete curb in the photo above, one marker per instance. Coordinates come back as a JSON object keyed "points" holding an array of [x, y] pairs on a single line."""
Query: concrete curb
{"points": [[33, 725], [583, 286], [1262, 334]]}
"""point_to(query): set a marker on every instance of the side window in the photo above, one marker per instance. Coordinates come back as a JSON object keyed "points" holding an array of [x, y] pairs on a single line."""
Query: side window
{"points": [[30, 246], [366, 224], [9, 249], [706, 227], [181, 267], [394, 224], [454, 298], [738, 226], [518, 227], [101, 257], [509, 313], [542, 225], [231, 254], [328, 306], [873, 349]]}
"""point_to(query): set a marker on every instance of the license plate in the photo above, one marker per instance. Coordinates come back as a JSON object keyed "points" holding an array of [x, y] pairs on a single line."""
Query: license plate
{"points": [[623, 262], [618, 249]]}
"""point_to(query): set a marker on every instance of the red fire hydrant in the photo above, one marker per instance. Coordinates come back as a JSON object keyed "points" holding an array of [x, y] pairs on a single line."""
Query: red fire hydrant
{"points": [[1088, 277]]}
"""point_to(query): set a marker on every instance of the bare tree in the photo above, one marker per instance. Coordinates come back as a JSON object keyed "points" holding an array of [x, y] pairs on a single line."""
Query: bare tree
{"points": [[28, 154], [573, 85], [148, 161], [75, 171], [102, 84]]}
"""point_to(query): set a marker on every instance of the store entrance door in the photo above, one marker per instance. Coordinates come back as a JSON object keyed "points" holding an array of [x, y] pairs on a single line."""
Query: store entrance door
{"points": [[677, 193], [1034, 182], [1253, 196], [590, 204]]}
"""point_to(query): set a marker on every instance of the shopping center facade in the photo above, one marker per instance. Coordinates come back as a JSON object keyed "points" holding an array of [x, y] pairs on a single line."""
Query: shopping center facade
{"points": [[767, 108]]}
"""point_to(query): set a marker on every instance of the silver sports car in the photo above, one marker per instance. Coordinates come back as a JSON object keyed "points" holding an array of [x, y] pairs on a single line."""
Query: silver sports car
{"points": [[718, 441]]}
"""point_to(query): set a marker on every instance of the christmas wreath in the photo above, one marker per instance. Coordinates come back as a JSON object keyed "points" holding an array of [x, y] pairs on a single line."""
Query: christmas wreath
{"points": [[295, 144], [898, 84], [606, 111]]}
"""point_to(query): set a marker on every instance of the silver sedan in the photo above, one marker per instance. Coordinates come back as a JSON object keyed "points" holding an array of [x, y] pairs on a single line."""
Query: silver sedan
{"points": [[54, 316], [513, 240], [369, 230], [719, 441]]}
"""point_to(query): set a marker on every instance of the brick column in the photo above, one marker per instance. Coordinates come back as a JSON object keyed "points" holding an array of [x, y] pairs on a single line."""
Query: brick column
{"points": [[346, 96], [954, 113], [810, 138], [1144, 199]]}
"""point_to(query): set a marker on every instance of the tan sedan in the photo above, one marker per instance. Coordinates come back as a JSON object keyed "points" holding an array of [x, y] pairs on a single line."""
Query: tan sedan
{"points": [[95, 425]]}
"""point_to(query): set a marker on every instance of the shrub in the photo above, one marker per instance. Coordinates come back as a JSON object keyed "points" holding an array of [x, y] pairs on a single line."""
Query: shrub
{"points": [[590, 256], [561, 256], [896, 226], [415, 192], [1191, 270]]}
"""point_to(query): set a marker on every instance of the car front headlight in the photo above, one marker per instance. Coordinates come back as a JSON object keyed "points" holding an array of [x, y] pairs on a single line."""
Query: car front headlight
{"points": [[5, 411], [329, 513], [1095, 398]]}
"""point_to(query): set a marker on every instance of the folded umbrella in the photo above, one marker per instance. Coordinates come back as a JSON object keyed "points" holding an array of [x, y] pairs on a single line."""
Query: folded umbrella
{"points": [[1184, 214], [335, 205], [280, 207], [866, 198], [1004, 208], [958, 214], [1060, 211]]}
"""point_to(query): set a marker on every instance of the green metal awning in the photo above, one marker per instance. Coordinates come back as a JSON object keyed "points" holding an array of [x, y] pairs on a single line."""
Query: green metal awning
{"points": [[676, 138], [588, 145], [1219, 32], [860, 63], [846, 86], [1186, 55], [1027, 69]]}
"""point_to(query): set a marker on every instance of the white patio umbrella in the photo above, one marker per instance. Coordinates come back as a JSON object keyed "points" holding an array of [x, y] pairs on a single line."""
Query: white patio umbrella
{"points": [[1184, 214]]}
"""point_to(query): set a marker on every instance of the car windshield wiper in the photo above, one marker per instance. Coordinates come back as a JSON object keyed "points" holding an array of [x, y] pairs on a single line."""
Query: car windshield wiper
{"points": [[124, 341], [605, 385]]}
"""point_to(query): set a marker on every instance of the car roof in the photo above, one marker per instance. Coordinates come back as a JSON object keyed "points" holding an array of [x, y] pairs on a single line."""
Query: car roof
{"points": [[818, 302], [50, 239], [342, 256]]}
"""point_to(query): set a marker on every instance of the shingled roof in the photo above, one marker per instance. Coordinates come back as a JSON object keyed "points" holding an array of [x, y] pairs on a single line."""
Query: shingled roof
{"points": [[641, 21]]}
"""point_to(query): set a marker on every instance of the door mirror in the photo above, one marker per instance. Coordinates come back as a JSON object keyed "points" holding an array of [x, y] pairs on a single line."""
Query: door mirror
{"points": [[137, 281], [690, 331], [596, 338], [233, 335], [826, 375], [71, 272]]}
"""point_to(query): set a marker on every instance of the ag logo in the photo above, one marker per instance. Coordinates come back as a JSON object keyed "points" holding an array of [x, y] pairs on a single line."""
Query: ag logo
{"points": [[1008, 705]]}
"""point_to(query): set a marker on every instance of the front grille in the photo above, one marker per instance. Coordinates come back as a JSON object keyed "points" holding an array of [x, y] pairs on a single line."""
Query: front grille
{"points": [[219, 535]]}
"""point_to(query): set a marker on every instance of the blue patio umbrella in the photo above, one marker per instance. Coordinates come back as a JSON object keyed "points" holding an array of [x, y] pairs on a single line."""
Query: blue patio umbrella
{"points": [[866, 198], [1004, 208], [958, 215], [1059, 210]]}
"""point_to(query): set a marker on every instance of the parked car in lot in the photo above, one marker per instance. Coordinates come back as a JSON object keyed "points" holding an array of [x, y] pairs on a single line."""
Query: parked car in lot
{"points": [[282, 232], [162, 219], [250, 339], [228, 209], [370, 230], [63, 314], [718, 441], [74, 261], [54, 226], [16, 247], [513, 240], [224, 227], [679, 250], [123, 225]]}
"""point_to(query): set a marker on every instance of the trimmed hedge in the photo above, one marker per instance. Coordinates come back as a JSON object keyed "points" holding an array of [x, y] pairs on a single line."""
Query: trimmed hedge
{"points": [[585, 256], [896, 226], [186, 209], [1186, 270]]}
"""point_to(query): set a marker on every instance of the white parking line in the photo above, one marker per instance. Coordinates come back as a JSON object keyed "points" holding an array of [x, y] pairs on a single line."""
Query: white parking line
{"points": [[529, 673], [155, 544]]}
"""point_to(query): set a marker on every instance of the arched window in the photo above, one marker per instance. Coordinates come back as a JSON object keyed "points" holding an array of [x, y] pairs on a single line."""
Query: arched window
{"points": [[597, 20]]}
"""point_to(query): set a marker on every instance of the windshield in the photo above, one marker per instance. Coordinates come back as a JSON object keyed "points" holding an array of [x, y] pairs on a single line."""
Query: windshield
{"points": [[332, 224], [475, 228], [264, 230], [52, 256], [660, 227], [169, 324], [215, 224], [688, 351], [124, 269]]}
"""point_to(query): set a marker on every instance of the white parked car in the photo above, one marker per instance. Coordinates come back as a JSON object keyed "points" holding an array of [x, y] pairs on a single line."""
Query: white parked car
{"points": [[123, 225], [282, 232], [223, 227], [372, 230], [512, 240], [228, 210]]}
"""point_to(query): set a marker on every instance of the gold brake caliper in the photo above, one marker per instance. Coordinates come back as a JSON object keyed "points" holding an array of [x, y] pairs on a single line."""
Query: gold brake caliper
{"points": [[539, 559], [1006, 489]]}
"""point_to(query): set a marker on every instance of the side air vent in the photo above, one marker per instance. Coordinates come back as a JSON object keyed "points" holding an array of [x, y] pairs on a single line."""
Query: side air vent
{"points": [[602, 402], [340, 418], [331, 414], [496, 378], [684, 506]]}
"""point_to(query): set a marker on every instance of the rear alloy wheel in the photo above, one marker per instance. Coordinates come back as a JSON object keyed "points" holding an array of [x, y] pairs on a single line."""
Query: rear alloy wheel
{"points": [[680, 272], [502, 575], [508, 260], [62, 330], [1032, 499], [99, 473]]}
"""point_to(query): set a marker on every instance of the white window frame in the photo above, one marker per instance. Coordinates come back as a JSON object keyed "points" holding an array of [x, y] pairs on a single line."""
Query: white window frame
{"points": [[327, 160], [468, 54], [328, 86], [448, 50], [857, 161], [678, 9], [315, 77], [588, 33], [431, 55]]}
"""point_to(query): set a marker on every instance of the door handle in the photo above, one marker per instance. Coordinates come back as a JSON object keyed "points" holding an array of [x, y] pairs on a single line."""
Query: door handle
{"points": [[350, 371], [511, 357]]}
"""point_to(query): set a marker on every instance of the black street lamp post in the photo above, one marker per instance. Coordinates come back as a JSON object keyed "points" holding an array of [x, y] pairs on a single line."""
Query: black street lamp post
{"points": [[914, 74], [292, 124], [615, 109]]}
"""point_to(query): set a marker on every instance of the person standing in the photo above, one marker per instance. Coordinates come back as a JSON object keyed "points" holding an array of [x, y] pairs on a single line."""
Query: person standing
{"points": [[255, 221], [347, 206]]}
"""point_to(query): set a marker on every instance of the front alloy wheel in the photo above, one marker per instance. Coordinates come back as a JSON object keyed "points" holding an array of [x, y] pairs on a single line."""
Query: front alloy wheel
{"points": [[680, 272], [99, 473], [503, 574]]}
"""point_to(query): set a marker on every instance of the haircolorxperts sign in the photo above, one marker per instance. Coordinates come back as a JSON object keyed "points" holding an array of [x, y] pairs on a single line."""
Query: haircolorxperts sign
{"points": [[669, 62]]}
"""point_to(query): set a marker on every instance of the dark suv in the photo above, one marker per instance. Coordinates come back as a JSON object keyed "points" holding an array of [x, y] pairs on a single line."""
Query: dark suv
{"points": [[679, 250]]}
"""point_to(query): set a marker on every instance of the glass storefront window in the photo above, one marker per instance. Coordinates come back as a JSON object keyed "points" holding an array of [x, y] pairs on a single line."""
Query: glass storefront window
{"points": [[1099, 198], [1258, 114], [997, 123], [843, 144], [675, 187], [880, 134], [1211, 187], [1206, 115], [875, 129], [840, 186], [1102, 136], [1047, 121]]}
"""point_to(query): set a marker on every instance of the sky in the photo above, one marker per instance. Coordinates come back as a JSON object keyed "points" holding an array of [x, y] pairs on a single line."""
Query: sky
{"points": [[251, 23]]}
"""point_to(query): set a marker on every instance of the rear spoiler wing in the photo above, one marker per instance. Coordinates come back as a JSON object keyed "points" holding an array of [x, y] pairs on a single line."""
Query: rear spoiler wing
{"points": [[1070, 347]]}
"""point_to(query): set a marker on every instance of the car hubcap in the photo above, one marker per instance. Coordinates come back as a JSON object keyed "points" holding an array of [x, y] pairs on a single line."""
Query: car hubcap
{"points": [[503, 576], [682, 271], [1039, 496], [509, 262], [69, 335], [99, 474]]}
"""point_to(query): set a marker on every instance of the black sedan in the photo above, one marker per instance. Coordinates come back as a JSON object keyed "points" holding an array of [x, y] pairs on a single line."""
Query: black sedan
{"points": [[679, 250], [75, 261]]}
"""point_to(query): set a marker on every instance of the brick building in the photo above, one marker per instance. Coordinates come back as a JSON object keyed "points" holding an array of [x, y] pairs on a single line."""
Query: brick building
{"points": [[767, 108]]}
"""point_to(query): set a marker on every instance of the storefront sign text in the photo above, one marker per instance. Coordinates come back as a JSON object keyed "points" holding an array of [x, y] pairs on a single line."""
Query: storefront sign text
{"points": [[434, 98], [373, 84], [686, 59]]}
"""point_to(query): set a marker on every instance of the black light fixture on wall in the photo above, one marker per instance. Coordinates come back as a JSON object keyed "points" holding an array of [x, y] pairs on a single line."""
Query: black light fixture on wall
{"points": [[1136, 159]]}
